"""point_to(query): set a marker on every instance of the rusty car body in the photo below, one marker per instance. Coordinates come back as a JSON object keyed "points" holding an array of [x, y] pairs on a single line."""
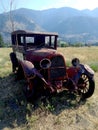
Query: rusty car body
{"points": [[35, 58]]}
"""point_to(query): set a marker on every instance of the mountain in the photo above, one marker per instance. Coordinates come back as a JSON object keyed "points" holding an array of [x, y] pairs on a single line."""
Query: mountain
{"points": [[71, 24]]}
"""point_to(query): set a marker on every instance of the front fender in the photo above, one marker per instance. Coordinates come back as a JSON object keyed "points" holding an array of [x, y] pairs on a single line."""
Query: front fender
{"points": [[30, 71], [88, 71]]}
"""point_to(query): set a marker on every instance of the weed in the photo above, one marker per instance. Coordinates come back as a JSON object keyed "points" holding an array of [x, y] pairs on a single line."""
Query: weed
{"points": [[94, 66], [50, 107], [32, 118]]}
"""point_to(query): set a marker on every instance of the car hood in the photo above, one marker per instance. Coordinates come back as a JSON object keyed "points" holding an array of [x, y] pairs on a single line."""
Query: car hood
{"points": [[39, 54]]}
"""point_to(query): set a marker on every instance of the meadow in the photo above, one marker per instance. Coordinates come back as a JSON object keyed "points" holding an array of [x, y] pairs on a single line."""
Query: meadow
{"points": [[64, 112]]}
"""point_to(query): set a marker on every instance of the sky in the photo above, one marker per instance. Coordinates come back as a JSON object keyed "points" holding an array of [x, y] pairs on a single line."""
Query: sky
{"points": [[47, 4]]}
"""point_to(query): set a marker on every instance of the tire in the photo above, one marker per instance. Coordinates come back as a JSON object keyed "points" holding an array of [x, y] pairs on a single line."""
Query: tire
{"points": [[28, 94], [36, 91], [20, 73], [86, 86]]}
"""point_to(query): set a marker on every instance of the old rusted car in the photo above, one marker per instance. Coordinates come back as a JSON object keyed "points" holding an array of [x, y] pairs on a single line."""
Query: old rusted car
{"points": [[36, 59]]}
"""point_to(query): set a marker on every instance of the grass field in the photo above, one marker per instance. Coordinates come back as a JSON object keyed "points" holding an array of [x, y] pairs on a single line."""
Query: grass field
{"points": [[62, 113], [87, 55]]}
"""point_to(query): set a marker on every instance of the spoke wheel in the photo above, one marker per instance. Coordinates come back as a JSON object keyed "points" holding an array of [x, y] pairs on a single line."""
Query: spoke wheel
{"points": [[86, 86]]}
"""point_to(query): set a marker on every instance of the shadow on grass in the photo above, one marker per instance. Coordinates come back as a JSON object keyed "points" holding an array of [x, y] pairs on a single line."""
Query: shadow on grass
{"points": [[63, 101], [15, 110], [13, 105]]}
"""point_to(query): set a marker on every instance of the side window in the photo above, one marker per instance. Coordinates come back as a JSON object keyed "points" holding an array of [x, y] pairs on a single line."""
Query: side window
{"points": [[13, 39], [47, 41], [30, 41], [52, 41], [21, 39]]}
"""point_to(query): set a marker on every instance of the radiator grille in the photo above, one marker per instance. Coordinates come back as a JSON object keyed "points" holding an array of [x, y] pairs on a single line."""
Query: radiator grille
{"points": [[57, 68]]}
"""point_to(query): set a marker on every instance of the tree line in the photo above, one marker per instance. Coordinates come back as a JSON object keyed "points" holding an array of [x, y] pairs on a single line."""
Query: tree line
{"points": [[2, 44]]}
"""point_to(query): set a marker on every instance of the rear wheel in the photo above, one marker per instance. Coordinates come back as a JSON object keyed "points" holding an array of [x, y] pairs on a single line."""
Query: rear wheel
{"points": [[86, 86], [14, 61], [20, 73]]}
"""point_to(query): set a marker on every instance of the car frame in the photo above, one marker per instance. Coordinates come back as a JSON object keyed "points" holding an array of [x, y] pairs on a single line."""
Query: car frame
{"points": [[36, 59]]}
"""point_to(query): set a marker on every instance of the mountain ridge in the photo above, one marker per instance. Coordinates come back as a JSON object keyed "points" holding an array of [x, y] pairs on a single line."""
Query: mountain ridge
{"points": [[80, 24]]}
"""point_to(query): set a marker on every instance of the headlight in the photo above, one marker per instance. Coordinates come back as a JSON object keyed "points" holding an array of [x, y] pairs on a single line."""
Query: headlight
{"points": [[45, 63], [75, 62]]}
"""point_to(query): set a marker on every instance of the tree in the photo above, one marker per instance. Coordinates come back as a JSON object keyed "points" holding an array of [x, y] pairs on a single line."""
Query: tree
{"points": [[11, 16], [9, 9], [1, 41]]}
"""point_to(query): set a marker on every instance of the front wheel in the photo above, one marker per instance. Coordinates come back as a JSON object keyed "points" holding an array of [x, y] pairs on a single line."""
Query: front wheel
{"points": [[86, 86], [34, 89]]}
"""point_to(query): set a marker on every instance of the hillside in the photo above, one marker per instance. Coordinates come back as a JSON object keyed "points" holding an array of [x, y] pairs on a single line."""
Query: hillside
{"points": [[71, 24]]}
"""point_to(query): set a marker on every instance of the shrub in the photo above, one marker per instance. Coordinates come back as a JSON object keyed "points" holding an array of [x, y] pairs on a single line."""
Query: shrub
{"points": [[1, 41], [94, 66]]}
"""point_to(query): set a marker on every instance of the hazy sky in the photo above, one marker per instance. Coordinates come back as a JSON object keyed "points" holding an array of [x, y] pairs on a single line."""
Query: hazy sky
{"points": [[46, 4]]}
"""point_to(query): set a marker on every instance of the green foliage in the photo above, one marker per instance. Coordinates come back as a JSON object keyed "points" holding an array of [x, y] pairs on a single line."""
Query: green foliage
{"points": [[78, 44], [63, 44], [1, 41], [94, 66], [50, 107]]}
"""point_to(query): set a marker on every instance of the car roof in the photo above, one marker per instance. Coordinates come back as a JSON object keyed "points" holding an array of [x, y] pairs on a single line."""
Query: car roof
{"points": [[33, 33]]}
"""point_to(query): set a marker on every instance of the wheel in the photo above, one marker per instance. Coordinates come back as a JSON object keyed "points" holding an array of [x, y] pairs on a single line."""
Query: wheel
{"points": [[20, 73], [35, 91], [28, 94], [86, 86]]}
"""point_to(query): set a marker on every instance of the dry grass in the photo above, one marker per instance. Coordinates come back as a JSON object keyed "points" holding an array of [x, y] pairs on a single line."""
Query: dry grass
{"points": [[62, 113], [85, 54], [5, 64]]}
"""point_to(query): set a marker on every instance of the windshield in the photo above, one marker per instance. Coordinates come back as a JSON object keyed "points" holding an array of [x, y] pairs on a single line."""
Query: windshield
{"points": [[38, 41], [35, 40]]}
